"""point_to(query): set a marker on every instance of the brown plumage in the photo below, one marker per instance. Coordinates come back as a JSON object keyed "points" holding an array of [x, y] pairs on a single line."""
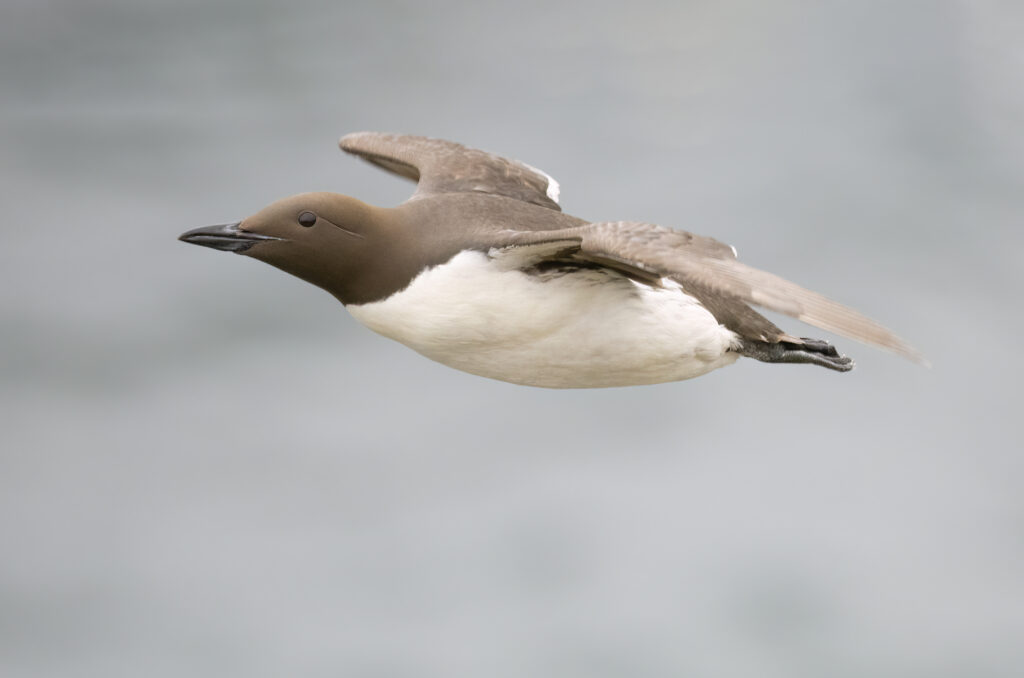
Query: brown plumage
{"points": [[470, 201], [705, 267]]}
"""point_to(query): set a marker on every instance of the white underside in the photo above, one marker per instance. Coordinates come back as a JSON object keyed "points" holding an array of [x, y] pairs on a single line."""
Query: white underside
{"points": [[584, 329]]}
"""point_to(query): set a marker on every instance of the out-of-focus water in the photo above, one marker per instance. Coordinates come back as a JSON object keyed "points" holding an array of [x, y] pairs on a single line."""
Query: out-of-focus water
{"points": [[208, 468]]}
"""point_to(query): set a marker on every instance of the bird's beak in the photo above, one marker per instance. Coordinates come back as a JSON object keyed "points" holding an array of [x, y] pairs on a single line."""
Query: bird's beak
{"points": [[227, 237]]}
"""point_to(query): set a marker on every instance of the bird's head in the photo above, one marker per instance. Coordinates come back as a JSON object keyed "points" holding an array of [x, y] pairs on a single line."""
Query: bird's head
{"points": [[326, 239]]}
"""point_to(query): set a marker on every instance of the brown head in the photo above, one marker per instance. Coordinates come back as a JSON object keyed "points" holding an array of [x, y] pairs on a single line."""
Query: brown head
{"points": [[327, 239]]}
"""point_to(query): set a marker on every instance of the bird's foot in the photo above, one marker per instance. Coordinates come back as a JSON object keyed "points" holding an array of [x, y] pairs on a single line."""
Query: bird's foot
{"points": [[812, 351]]}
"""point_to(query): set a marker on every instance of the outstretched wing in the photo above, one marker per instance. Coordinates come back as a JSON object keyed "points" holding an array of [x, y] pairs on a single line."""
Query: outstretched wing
{"points": [[705, 264], [446, 167]]}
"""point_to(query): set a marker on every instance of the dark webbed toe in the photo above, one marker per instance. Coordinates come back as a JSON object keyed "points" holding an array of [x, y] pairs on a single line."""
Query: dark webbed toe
{"points": [[817, 346], [837, 362]]}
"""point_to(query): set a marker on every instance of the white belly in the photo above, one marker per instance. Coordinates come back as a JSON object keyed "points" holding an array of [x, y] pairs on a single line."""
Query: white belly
{"points": [[584, 329]]}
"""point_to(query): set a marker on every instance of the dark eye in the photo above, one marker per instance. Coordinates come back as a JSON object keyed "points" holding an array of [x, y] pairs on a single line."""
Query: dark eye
{"points": [[307, 219]]}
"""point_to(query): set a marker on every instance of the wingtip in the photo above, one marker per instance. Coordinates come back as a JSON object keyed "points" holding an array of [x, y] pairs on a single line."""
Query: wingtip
{"points": [[348, 141], [916, 356], [905, 351]]}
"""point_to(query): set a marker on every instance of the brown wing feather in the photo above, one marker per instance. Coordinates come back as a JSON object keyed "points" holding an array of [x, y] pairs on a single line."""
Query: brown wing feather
{"points": [[709, 270], [441, 166], [775, 293], [658, 247]]}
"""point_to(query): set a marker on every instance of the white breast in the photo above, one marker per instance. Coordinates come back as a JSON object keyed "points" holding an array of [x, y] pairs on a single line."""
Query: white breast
{"points": [[588, 328]]}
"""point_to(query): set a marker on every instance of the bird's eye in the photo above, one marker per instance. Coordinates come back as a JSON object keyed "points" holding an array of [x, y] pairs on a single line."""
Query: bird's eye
{"points": [[307, 219]]}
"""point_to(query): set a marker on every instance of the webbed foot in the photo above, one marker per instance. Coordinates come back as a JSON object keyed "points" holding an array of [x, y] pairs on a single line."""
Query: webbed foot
{"points": [[811, 351]]}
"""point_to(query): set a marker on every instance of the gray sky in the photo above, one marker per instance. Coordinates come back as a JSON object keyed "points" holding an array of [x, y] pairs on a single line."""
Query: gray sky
{"points": [[208, 468]]}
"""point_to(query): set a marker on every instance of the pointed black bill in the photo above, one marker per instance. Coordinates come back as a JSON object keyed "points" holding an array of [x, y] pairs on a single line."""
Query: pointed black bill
{"points": [[227, 237]]}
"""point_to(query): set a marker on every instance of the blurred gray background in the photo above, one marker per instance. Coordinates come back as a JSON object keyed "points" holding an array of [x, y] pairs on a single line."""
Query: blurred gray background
{"points": [[209, 469]]}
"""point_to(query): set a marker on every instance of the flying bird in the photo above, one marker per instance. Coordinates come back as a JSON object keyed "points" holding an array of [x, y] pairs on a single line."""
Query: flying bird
{"points": [[481, 270]]}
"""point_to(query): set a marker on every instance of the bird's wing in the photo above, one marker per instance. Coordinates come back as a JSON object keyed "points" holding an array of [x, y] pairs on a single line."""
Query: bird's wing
{"points": [[705, 264], [446, 167]]}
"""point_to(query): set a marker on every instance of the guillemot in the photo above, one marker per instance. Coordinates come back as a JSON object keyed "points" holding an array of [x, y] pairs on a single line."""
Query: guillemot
{"points": [[482, 271]]}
